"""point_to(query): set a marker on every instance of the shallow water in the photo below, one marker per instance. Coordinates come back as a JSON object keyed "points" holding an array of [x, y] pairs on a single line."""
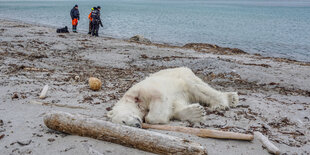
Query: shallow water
{"points": [[272, 28]]}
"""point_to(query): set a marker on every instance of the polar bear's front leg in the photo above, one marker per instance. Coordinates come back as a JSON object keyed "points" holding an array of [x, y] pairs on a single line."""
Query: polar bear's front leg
{"points": [[160, 112], [205, 94], [233, 98]]}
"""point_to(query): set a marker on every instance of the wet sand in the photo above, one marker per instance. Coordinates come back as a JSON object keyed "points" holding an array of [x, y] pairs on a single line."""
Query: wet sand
{"points": [[274, 92]]}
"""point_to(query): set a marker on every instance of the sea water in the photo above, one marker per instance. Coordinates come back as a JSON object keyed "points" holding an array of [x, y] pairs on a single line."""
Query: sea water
{"points": [[278, 28]]}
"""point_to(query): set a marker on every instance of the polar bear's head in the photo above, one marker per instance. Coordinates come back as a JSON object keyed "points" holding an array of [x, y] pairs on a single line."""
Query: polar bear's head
{"points": [[126, 112]]}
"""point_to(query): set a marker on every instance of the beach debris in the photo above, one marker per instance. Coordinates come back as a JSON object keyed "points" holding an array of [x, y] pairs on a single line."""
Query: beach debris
{"points": [[1, 136], [77, 78], [144, 56], [87, 99], [38, 55], [24, 142], [15, 96], [266, 143], [237, 51], [62, 36], [51, 139], [212, 48], [37, 135], [67, 149], [90, 150], [44, 92], [94, 83], [57, 105], [282, 122], [205, 133], [108, 108], [253, 64], [139, 39], [129, 136]]}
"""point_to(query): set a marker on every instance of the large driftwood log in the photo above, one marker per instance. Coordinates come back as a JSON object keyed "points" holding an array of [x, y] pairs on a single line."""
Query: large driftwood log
{"points": [[120, 134], [205, 133]]}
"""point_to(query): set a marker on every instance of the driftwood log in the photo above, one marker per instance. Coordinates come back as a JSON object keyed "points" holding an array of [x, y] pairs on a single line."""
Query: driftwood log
{"points": [[205, 133], [124, 135], [266, 143]]}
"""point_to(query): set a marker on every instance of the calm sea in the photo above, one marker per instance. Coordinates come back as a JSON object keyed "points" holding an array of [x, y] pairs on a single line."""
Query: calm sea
{"points": [[278, 28]]}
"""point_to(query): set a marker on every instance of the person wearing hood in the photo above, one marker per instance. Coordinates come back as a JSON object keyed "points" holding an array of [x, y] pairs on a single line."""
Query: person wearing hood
{"points": [[96, 21], [75, 16], [91, 20]]}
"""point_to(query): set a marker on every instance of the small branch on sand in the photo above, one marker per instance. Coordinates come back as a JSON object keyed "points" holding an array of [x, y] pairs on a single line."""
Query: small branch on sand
{"points": [[44, 92], [120, 134], [205, 133], [57, 105], [266, 143], [35, 69]]}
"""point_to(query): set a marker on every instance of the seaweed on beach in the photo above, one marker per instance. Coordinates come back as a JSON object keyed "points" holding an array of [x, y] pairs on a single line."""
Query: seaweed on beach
{"points": [[212, 48], [283, 122]]}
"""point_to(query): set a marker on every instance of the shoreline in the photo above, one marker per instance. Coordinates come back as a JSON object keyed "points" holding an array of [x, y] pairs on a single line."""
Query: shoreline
{"points": [[205, 46], [274, 95]]}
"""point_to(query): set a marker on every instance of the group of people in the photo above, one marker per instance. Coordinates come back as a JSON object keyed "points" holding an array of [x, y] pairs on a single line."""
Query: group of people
{"points": [[94, 19]]}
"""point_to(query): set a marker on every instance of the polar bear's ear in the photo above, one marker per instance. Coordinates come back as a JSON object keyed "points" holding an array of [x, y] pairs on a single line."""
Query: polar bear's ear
{"points": [[110, 114]]}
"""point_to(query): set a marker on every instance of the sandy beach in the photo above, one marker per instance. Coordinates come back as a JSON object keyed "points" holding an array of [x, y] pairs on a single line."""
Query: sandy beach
{"points": [[274, 92]]}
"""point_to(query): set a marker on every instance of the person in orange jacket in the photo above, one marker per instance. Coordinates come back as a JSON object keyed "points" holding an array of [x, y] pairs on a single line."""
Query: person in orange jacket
{"points": [[75, 16], [90, 20]]}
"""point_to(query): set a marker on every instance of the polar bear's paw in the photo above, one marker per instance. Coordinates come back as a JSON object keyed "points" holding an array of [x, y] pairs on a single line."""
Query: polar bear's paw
{"points": [[229, 99], [218, 107], [193, 113], [233, 98]]}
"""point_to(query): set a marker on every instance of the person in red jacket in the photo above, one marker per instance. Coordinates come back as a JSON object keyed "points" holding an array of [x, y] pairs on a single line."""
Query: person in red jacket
{"points": [[90, 20]]}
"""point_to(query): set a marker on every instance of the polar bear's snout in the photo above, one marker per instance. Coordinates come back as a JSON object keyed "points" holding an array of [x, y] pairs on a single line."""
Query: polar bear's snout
{"points": [[133, 121], [127, 114], [127, 119]]}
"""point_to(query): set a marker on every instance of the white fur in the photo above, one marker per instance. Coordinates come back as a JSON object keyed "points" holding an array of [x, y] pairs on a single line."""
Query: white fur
{"points": [[167, 94]]}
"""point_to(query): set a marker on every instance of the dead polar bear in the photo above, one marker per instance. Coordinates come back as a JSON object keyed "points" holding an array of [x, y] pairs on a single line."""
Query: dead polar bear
{"points": [[171, 93]]}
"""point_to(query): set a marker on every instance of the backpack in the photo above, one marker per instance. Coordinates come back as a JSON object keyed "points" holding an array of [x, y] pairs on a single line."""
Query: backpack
{"points": [[95, 15], [62, 30]]}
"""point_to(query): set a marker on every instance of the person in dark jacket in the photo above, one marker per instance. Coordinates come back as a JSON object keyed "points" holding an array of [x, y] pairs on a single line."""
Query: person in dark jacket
{"points": [[96, 21], [75, 16]]}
